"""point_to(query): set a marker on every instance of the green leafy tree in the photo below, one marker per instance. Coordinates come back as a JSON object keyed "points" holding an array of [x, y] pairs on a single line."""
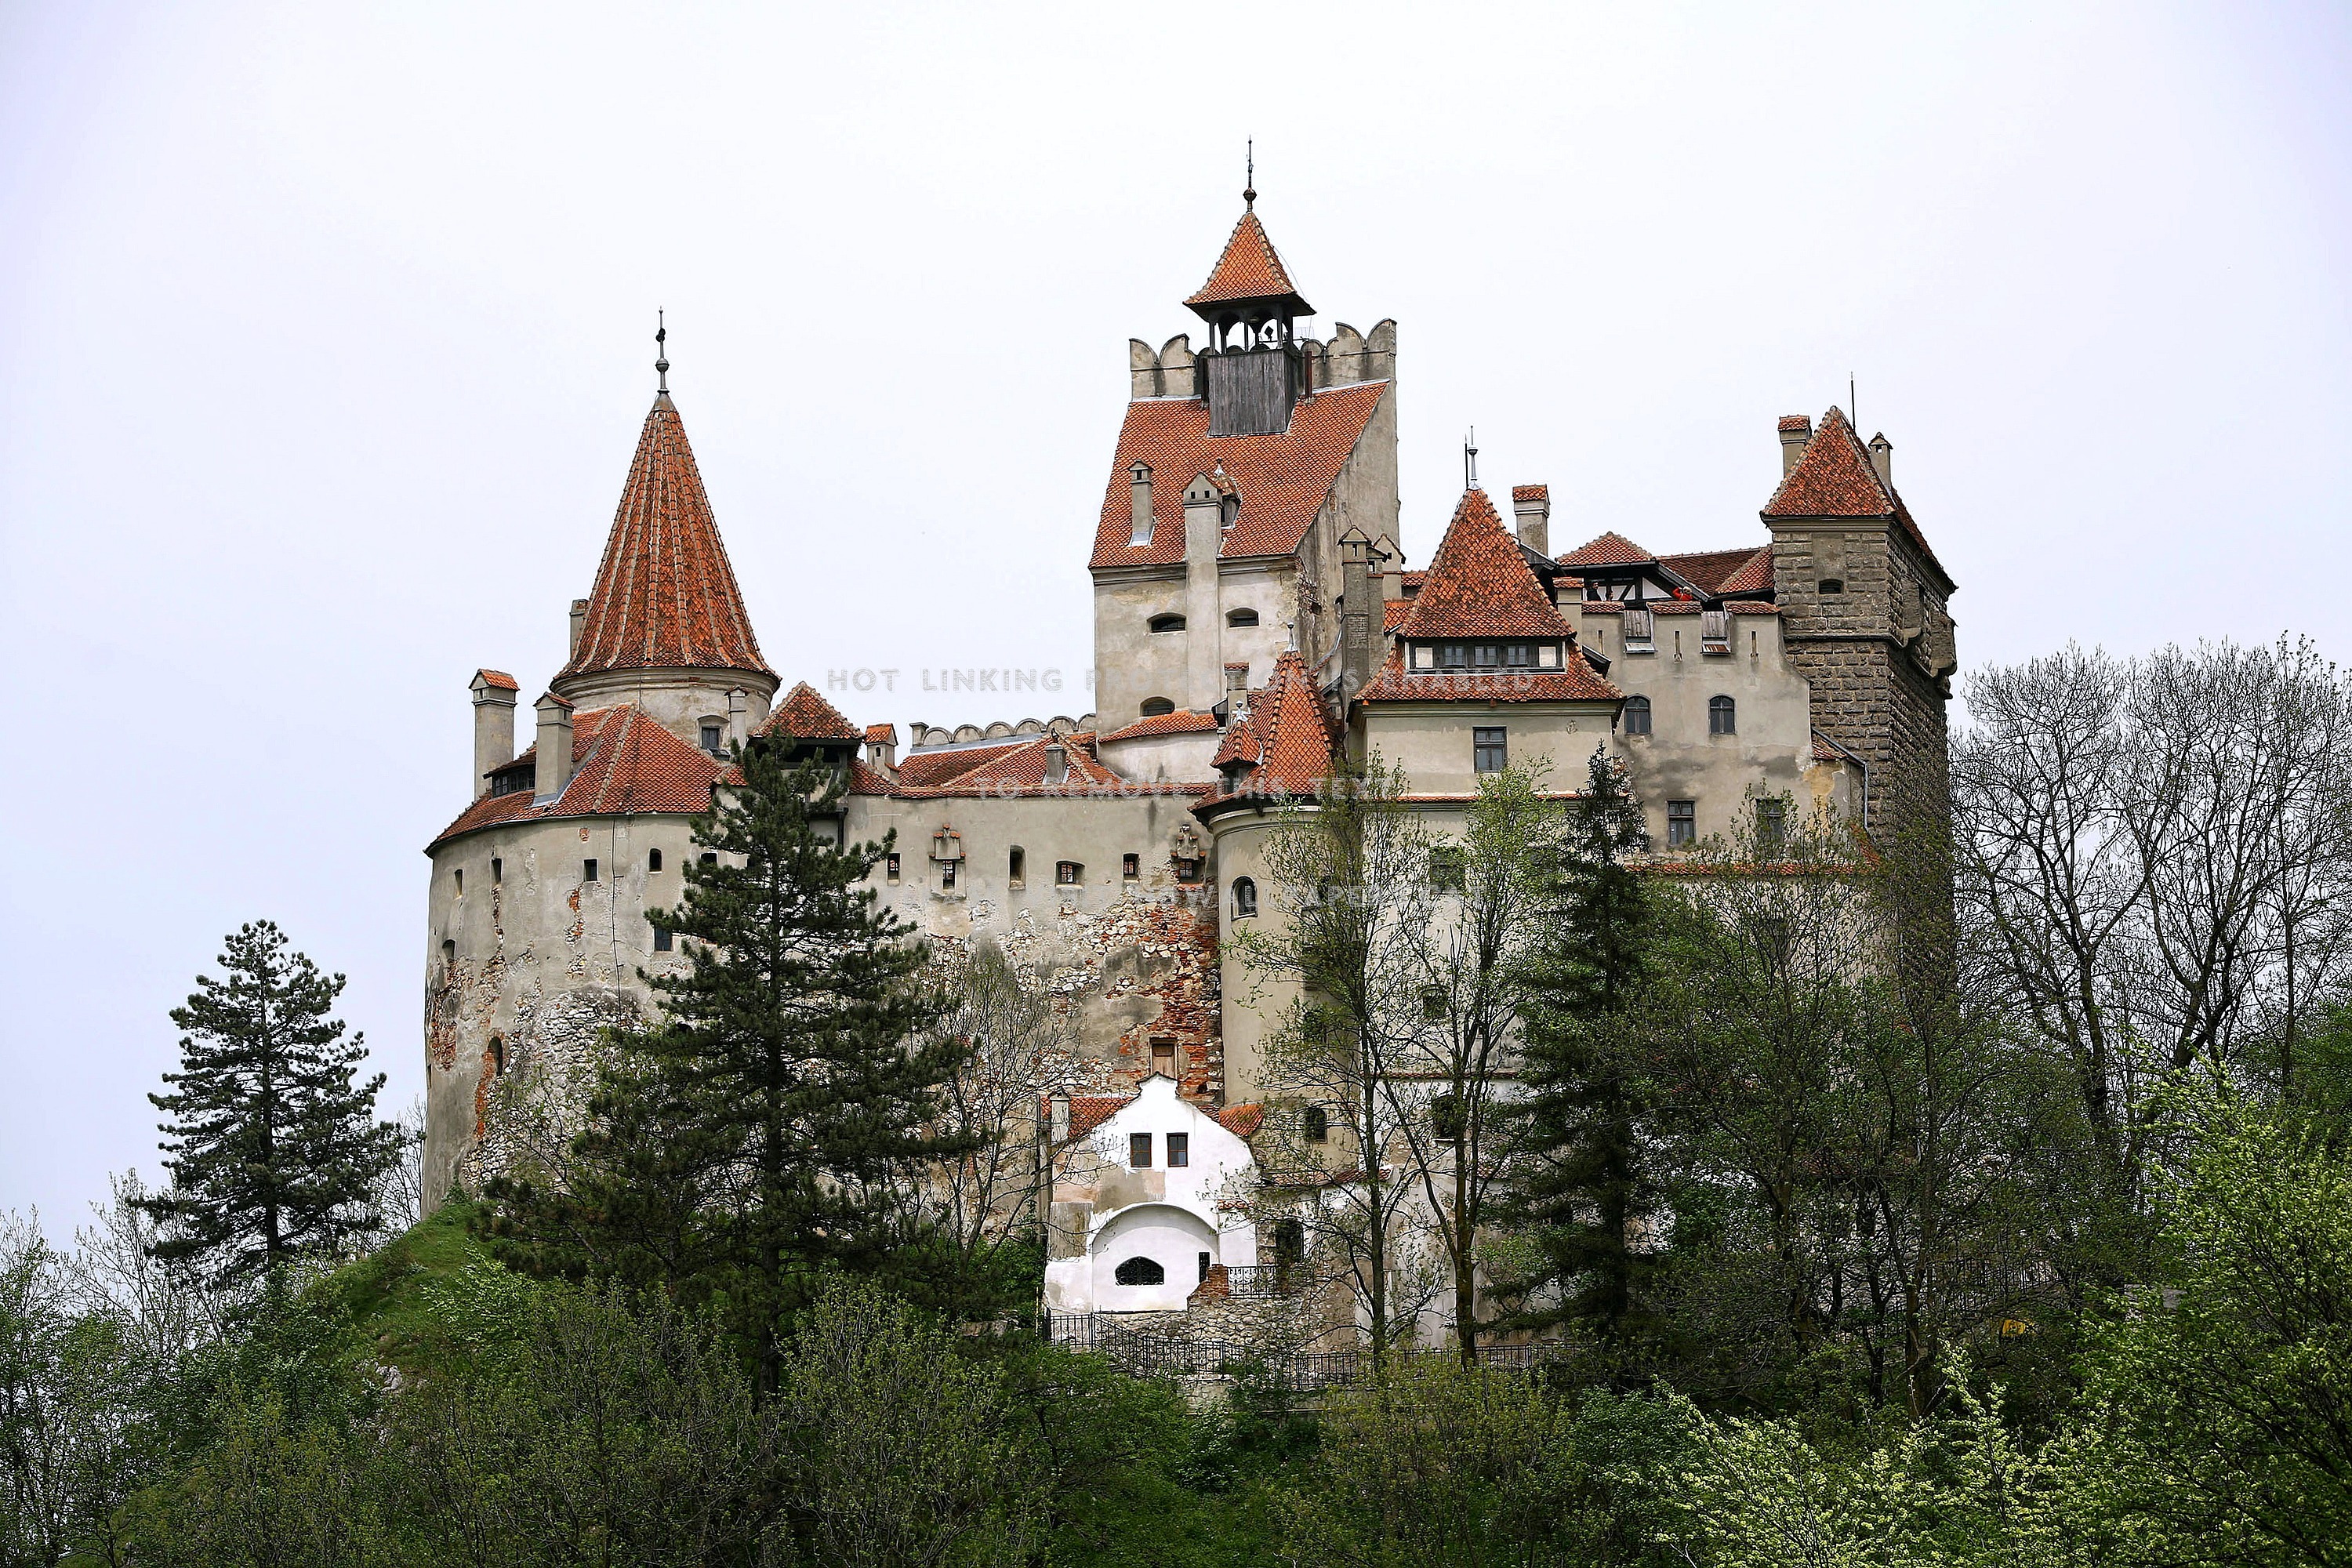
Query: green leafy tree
{"points": [[274, 1151], [762, 1130], [1581, 1193]]}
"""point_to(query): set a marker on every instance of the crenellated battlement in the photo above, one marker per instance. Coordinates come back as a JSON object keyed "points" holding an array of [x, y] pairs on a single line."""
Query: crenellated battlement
{"points": [[1348, 359], [921, 735]]}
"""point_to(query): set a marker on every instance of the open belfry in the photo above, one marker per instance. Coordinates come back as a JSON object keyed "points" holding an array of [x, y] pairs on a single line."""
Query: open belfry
{"points": [[1255, 616]]}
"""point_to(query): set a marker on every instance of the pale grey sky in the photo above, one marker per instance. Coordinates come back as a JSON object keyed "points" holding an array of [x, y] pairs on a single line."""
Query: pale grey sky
{"points": [[325, 336]]}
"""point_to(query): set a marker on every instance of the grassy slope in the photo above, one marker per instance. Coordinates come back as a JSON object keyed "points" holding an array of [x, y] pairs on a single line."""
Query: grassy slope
{"points": [[383, 1292]]}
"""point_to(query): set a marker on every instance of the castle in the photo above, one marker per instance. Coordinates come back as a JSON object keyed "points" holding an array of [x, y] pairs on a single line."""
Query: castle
{"points": [[1254, 616]]}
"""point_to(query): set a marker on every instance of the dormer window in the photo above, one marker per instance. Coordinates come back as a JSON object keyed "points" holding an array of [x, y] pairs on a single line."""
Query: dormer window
{"points": [[714, 736], [1641, 632], [1714, 631]]}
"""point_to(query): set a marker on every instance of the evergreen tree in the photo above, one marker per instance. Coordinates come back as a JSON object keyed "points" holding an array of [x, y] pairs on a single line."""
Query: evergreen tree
{"points": [[1580, 1191], [275, 1152], [768, 1127]]}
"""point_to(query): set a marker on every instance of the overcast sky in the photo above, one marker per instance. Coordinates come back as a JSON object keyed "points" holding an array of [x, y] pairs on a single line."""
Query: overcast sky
{"points": [[325, 334]]}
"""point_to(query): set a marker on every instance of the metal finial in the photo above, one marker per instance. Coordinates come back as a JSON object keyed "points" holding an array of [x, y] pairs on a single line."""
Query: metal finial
{"points": [[661, 352], [1470, 460], [1249, 185]]}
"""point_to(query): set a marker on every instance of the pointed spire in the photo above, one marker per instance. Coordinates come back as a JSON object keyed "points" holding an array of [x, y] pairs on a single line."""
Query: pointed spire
{"points": [[1478, 583], [661, 349], [665, 596], [1248, 273], [1249, 181]]}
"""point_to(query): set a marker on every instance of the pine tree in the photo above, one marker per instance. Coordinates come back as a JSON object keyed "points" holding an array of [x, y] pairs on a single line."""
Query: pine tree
{"points": [[1581, 1193], [768, 1128], [275, 1152]]}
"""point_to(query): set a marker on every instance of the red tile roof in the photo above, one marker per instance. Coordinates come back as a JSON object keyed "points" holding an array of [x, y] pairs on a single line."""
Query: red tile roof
{"points": [[1088, 1111], [665, 593], [804, 715], [498, 679], [1393, 611], [1579, 682], [921, 769], [1242, 1121], [1708, 568], [1183, 722], [1796, 421], [1835, 478], [1755, 577], [1531, 492], [1284, 740], [625, 764], [1248, 270], [1016, 768], [1479, 583], [1283, 477], [881, 735], [1609, 549]]}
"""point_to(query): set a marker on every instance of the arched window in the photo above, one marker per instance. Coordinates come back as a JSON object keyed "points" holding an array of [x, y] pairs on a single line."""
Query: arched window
{"points": [[653, 859], [1242, 618], [1141, 1272], [1316, 1123], [1637, 715], [1154, 707], [1244, 897], [1722, 716], [1167, 623]]}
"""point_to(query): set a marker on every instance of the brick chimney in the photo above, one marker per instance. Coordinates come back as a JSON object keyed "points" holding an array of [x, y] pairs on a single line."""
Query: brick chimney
{"points": [[1532, 506], [495, 693], [554, 769], [1796, 429]]}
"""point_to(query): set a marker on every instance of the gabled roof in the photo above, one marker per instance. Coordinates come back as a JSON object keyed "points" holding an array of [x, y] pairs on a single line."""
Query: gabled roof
{"points": [[497, 680], [1284, 478], [804, 715], [1479, 583], [1531, 492], [1248, 271], [624, 763], [1755, 577], [665, 597], [1707, 569], [1285, 739], [1183, 722], [1018, 767], [881, 735], [1609, 549], [1834, 477]]}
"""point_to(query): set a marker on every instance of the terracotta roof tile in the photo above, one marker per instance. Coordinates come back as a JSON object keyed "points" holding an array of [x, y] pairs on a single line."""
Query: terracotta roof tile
{"points": [[1796, 421], [804, 715], [665, 594], [1248, 269], [881, 735], [1531, 492], [919, 769], [1183, 722], [1393, 611], [1242, 1121], [1016, 768], [1284, 478], [1755, 577], [1751, 606], [1284, 740], [625, 764], [1579, 682], [498, 680], [1708, 568], [1609, 549], [1479, 583], [1835, 478], [1088, 1111]]}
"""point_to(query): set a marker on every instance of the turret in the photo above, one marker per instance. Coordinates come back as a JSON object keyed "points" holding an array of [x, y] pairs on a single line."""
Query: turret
{"points": [[1252, 372]]}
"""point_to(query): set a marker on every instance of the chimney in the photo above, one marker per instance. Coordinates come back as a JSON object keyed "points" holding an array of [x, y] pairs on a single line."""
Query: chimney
{"points": [[1796, 429], [1057, 764], [1139, 504], [1059, 1119], [554, 749], [1392, 568], [1532, 504], [579, 619], [884, 753], [494, 706], [1356, 601], [1237, 678], [739, 707], [1882, 457]]}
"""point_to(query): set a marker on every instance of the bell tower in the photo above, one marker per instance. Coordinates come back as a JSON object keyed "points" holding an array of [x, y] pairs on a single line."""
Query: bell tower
{"points": [[1252, 371]]}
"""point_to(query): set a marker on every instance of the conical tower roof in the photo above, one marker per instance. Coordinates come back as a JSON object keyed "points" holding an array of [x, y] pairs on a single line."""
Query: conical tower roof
{"points": [[1250, 272], [665, 597]]}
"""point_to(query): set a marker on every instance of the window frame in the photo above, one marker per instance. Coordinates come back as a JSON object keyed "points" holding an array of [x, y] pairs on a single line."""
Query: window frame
{"points": [[1235, 617], [1490, 737], [1681, 824], [1179, 1150], [1722, 715], [1244, 897], [1165, 624], [1139, 1151], [1640, 717], [588, 868], [1069, 873]]}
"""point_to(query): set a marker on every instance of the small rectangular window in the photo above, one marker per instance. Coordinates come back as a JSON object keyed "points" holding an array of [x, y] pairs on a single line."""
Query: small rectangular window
{"points": [[1641, 635], [1714, 631], [946, 873], [1163, 1057], [1772, 822], [1316, 1123], [1682, 822], [653, 860], [1016, 867], [588, 870], [1179, 1149], [1490, 750], [498, 870], [890, 868], [1139, 1150], [1130, 866], [461, 881], [1066, 873], [661, 939]]}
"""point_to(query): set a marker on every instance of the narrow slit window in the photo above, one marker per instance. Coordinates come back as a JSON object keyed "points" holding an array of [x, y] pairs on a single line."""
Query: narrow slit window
{"points": [[653, 859], [1016, 867], [461, 881], [498, 870], [587, 870]]}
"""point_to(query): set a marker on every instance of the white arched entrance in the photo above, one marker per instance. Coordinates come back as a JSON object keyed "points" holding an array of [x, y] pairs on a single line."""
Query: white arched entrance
{"points": [[1159, 1249]]}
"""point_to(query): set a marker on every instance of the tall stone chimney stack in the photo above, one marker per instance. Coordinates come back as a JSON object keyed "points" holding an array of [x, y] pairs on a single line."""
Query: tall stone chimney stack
{"points": [[579, 619], [495, 694], [1882, 457], [1532, 506], [1796, 429], [554, 769], [1359, 603]]}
